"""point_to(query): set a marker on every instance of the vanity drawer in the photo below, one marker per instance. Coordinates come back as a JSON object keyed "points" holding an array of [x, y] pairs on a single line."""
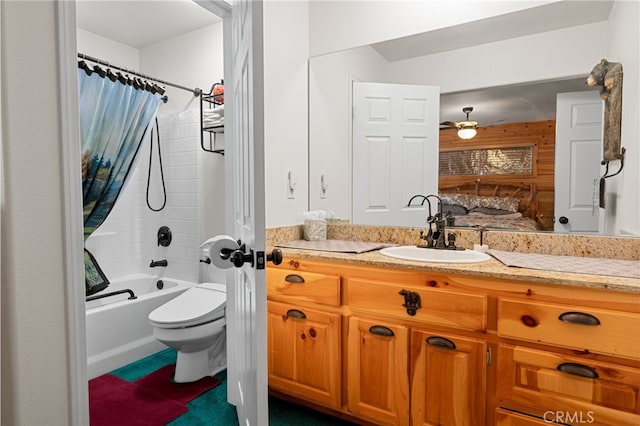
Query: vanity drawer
{"points": [[510, 418], [594, 391], [582, 328], [437, 306], [304, 286]]}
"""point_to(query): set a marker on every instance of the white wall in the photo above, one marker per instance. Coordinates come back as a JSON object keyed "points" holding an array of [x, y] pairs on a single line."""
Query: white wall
{"points": [[285, 118], [569, 52], [330, 78], [112, 51], [35, 362], [338, 25], [193, 60], [624, 46]]}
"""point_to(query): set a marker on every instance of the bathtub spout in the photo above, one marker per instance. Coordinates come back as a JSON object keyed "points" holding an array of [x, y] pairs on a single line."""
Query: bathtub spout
{"points": [[155, 263]]}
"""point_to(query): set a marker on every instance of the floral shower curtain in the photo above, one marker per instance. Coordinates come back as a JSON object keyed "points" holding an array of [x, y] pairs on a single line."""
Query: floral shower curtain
{"points": [[114, 117]]}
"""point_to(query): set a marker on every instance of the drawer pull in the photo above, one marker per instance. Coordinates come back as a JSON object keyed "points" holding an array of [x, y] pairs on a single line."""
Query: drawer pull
{"points": [[579, 318], [380, 330], [294, 313], [578, 370], [294, 279], [441, 342]]}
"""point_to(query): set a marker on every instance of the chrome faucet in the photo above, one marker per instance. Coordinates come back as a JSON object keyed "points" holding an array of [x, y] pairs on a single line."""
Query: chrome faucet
{"points": [[155, 263], [438, 238]]}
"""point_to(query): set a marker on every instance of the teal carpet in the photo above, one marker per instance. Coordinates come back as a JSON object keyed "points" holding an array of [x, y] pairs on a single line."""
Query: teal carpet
{"points": [[211, 408]]}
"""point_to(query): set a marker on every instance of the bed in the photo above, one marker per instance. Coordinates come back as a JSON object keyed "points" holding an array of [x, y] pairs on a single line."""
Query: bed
{"points": [[491, 205]]}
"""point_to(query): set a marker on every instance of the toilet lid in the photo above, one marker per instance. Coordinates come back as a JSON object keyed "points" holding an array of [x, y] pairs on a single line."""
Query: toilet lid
{"points": [[198, 305]]}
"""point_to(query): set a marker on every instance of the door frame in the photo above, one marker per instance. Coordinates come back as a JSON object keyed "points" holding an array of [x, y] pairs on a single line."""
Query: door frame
{"points": [[73, 243]]}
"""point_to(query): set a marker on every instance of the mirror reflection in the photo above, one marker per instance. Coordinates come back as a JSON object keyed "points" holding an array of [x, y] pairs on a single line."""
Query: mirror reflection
{"points": [[518, 152]]}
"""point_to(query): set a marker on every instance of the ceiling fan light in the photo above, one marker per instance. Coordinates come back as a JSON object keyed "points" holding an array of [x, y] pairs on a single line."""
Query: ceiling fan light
{"points": [[466, 132]]}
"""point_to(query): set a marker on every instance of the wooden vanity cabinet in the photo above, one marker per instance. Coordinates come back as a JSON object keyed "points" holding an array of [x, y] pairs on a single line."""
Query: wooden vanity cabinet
{"points": [[416, 348]]}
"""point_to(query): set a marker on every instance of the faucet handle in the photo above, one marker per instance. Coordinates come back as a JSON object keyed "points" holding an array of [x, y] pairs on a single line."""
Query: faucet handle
{"points": [[451, 240]]}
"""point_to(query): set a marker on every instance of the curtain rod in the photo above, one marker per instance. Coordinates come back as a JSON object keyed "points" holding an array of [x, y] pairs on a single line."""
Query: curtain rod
{"points": [[196, 91]]}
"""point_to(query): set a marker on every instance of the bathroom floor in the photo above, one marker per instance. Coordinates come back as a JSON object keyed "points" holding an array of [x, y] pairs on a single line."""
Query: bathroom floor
{"points": [[211, 408]]}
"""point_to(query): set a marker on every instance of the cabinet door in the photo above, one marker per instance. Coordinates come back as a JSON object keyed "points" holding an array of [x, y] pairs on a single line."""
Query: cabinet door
{"points": [[448, 374], [377, 381], [304, 352]]}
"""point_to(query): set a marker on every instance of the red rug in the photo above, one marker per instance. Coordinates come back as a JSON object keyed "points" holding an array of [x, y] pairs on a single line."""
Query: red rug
{"points": [[152, 400], [161, 382], [113, 401]]}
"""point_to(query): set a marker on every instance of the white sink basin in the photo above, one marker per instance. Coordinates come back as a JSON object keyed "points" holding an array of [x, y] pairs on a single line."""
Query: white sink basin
{"points": [[435, 255]]}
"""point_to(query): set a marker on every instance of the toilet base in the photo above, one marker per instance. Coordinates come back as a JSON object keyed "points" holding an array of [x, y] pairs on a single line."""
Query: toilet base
{"points": [[191, 366]]}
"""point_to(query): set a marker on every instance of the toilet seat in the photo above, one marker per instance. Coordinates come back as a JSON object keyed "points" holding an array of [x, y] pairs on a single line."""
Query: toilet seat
{"points": [[201, 304]]}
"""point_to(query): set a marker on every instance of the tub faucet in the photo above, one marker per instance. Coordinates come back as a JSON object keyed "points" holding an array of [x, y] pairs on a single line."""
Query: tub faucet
{"points": [[155, 263]]}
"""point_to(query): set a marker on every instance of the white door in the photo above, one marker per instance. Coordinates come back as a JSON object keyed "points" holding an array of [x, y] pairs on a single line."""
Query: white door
{"points": [[244, 159], [577, 163], [395, 152]]}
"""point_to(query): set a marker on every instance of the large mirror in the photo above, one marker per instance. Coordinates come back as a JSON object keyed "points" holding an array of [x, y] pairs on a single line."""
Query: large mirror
{"points": [[521, 89]]}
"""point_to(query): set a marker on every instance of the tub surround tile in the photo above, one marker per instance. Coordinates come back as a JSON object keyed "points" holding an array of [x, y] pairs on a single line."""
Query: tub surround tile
{"points": [[127, 240], [627, 248]]}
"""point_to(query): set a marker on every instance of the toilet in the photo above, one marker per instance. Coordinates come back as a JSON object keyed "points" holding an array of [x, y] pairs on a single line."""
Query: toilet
{"points": [[194, 325]]}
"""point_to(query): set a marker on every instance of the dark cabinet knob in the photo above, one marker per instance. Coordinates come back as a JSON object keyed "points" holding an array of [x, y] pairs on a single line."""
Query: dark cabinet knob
{"points": [[275, 256], [563, 220]]}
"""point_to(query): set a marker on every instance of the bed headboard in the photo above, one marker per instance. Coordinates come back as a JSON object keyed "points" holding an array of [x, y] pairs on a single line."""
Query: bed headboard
{"points": [[525, 192]]}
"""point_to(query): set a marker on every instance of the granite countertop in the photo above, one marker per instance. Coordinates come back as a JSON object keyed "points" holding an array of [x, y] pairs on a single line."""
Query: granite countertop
{"points": [[491, 268]]}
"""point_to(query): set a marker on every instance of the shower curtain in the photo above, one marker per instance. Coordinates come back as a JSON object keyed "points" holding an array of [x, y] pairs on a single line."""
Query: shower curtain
{"points": [[115, 113]]}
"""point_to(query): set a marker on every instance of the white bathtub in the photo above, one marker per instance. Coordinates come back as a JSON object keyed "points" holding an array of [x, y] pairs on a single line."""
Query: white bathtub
{"points": [[118, 329]]}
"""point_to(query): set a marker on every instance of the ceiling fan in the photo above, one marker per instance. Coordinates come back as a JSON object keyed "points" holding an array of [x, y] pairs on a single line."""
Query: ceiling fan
{"points": [[466, 129]]}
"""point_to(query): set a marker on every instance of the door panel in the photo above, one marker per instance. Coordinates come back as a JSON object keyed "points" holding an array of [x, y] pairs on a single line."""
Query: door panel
{"points": [[244, 159], [395, 139], [577, 164]]}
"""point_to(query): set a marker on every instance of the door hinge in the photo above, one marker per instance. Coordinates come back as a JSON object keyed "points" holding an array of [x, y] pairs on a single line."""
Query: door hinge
{"points": [[488, 356]]}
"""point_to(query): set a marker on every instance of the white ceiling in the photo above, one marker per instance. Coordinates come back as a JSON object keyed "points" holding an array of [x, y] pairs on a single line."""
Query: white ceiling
{"points": [[509, 104], [143, 22]]}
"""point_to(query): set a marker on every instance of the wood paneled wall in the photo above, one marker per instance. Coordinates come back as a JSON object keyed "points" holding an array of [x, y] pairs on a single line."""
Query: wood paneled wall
{"points": [[540, 134]]}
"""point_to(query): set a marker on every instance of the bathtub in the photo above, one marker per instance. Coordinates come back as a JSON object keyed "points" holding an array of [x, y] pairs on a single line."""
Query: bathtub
{"points": [[118, 329]]}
